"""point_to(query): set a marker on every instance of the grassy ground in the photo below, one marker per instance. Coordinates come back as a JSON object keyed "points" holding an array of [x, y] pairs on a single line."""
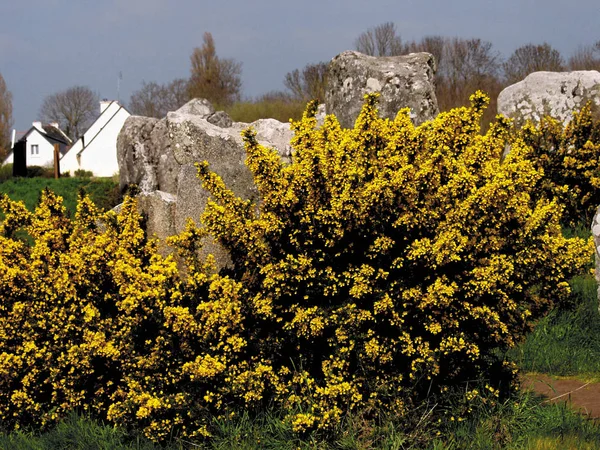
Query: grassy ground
{"points": [[522, 423], [565, 343], [103, 191]]}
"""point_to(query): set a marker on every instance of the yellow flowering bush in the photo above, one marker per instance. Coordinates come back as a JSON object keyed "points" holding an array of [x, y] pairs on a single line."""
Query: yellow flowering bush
{"points": [[384, 263], [93, 318], [387, 261], [569, 156]]}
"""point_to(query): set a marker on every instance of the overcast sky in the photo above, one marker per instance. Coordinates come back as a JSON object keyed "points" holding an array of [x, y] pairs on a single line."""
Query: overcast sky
{"points": [[49, 45]]}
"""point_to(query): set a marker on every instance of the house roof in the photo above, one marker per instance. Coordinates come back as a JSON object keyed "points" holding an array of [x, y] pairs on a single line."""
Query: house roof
{"points": [[56, 134], [87, 140], [52, 134]]}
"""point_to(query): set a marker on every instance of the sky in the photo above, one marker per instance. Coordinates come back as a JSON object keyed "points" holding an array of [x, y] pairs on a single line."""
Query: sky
{"points": [[47, 46]]}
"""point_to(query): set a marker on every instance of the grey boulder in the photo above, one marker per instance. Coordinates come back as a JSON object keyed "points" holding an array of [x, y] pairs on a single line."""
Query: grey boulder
{"points": [[159, 156], [403, 81], [555, 94]]}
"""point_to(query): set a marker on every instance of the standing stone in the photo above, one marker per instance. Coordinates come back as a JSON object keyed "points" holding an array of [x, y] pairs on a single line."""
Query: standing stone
{"points": [[403, 81], [159, 157], [555, 94]]}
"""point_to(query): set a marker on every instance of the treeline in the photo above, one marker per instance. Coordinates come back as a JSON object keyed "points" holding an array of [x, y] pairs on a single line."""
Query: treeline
{"points": [[219, 81], [466, 65], [463, 66]]}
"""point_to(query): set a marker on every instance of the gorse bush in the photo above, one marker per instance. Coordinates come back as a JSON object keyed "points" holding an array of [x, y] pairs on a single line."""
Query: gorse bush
{"points": [[387, 263], [569, 156]]}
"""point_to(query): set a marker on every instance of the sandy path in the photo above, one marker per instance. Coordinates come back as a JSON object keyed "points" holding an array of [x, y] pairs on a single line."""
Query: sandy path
{"points": [[583, 397]]}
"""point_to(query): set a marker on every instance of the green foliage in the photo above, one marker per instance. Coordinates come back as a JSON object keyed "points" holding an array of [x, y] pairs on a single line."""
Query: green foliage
{"points": [[38, 171], [80, 173], [6, 172], [103, 191], [566, 341], [521, 422], [76, 432], [280, 109]]}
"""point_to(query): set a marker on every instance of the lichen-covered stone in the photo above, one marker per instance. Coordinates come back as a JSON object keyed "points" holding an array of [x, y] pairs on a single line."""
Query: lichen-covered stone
{"points": [[159, 156], [555, 94], [403, 81], [220, 119]]}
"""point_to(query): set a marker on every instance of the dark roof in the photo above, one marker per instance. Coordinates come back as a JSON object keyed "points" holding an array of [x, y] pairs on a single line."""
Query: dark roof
{"points": [[55, 133], [64, 146]]}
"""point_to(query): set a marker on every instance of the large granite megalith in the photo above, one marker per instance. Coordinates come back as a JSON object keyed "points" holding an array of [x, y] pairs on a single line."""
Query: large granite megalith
{"points": [[159, 155], [555, 94], [403, 81]]}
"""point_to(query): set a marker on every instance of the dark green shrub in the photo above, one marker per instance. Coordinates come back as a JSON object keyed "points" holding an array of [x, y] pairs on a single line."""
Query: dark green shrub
{"points": [[80, 173], [6, 172], [40, 172]]}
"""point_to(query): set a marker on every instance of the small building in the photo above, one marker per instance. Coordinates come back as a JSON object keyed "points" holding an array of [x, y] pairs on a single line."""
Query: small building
{"points": [[96, 150], [40, 144]]}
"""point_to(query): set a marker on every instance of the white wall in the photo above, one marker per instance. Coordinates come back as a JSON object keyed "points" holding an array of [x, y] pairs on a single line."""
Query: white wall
{"points": [[100, 153], [68, 163], [45, 157]]}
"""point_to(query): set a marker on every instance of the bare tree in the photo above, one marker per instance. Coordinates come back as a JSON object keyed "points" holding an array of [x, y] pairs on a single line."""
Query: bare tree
{"points": [[468, 62], [465, 65], [586, 58], [156, 100], [6, 118], [74, 109], [380, 41], [215, 79], [308, 84], [430, 44], [532, 58]]}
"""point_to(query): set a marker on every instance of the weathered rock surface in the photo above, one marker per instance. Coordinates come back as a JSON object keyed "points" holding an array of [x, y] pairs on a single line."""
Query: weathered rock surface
{"points": [[159, 157], [220, 119], [403, 81], [556, 94]]}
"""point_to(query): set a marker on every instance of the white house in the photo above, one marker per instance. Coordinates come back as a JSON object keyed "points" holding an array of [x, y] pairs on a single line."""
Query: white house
{"points": [[40, 144], [96, 149]]}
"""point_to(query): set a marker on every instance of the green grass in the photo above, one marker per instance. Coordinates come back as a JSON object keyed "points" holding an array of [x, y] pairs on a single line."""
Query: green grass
{"points": [[78, 433], [103, 191], [254, 110], [566, 342], [522, 422]]}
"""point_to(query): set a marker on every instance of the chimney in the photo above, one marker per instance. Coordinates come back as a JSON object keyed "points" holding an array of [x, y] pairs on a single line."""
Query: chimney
{"points": [[38, 125], [104, 104], [54, 124]]}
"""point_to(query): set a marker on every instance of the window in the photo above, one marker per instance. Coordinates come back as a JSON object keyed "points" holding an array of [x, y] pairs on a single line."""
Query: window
{"points": [[35, 149]]}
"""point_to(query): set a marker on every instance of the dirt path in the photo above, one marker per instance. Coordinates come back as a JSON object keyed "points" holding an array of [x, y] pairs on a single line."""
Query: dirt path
{"points": [[583, 397]]}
